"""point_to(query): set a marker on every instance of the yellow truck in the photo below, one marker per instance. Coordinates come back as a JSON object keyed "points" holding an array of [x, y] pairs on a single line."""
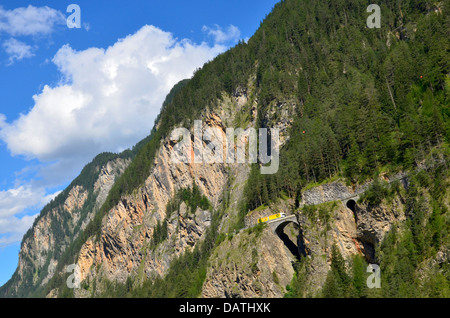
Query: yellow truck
{"points": [[272, 217]]}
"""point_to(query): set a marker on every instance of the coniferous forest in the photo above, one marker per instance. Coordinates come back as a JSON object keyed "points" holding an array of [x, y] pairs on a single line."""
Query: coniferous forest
{"points": [[370, 101]]}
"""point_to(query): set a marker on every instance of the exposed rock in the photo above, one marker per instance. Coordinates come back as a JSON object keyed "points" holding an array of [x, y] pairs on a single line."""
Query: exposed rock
{"points": [[345, 231], [125, 246], [327, 192], [249, 265], [107, 176], [75, 200], [319, 231], [37, 255], [373, 222]]}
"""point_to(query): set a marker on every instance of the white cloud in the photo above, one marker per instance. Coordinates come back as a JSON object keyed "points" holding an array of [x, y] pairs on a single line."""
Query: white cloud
{"points": [[14, 203], [27, 21], [230, 35], [18, 199], [86, 26], [12, 229], [14, 224], [2, 121], [30, 20], [107, 100], [17, 50]]}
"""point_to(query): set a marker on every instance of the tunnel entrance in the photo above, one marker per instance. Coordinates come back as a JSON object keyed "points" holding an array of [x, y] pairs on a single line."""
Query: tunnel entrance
{"points": [[289, 233], [351, 204]]}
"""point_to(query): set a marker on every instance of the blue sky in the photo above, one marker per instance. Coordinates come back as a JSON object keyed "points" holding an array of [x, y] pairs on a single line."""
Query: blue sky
{"points": [[67, 94]]}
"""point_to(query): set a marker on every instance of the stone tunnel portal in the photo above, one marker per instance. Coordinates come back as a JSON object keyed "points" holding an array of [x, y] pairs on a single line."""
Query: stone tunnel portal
{"points": [[351, 204], [297, 249]]}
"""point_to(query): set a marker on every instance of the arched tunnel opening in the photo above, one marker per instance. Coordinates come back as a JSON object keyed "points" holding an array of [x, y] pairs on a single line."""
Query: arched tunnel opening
{"points": [[351, 204], [294, 234]]}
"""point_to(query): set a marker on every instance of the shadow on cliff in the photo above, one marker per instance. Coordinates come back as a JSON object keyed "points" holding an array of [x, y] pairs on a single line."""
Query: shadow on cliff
{"points": [[297, 250]]}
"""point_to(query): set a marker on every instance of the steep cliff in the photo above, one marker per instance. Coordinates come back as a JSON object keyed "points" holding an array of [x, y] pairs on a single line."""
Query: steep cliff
{"points": [[125, 249], [362, 175], [61, 222], [249, 264], [124, 245]]}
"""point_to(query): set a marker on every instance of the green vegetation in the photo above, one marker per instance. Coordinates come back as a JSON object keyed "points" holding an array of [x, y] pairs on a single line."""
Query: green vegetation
{"points": [[408, 256], [187, 272], [380, 190], [339, 283], [256, 229], [193, 199], [405, 254], [363, 106], [369, 100], [159, 234]]}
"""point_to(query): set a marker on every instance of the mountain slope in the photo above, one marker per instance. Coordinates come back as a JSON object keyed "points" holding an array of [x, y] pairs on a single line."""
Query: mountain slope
{"points": [[48, 245], [61, 221], [353, 105]]}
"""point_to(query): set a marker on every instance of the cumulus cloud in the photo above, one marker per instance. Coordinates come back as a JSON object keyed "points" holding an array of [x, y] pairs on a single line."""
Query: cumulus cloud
{"points": [[12, 229], [230, 35], [2, 120], [18, 199], [27, 21], [30, 20], [17, 50], [107, 100], [14, 204]]}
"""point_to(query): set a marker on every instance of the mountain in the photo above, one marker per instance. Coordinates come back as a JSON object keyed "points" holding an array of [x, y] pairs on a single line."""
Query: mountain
{"points": [[61, 221], [363, 177]]}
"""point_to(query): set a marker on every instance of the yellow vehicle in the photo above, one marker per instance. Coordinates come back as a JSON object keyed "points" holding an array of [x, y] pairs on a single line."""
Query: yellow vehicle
{"points": [[272, 217]]}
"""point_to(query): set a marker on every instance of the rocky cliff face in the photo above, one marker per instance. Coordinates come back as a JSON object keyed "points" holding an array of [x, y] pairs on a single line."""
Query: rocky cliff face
{"points": [[54, 230], [246, 264], [125, 249], [249, 264], [374, 222], [319, 228], [365, 223], [324, 220]]}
